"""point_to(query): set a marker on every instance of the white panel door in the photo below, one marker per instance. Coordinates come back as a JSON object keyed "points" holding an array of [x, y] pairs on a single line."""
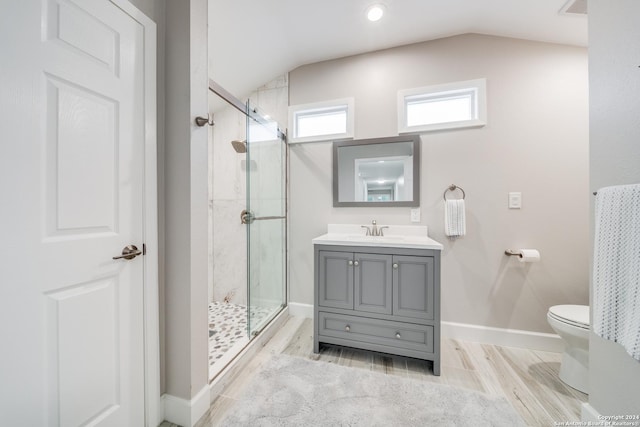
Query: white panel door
{"points": [[72, 165]]}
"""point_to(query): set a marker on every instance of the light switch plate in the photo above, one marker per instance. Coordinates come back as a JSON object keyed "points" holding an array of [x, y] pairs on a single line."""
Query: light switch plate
{"points": [[515, 200], [415, 215]]}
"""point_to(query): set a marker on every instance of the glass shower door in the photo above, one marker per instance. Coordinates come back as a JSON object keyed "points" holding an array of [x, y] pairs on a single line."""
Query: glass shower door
{"points": [[265, 217]]}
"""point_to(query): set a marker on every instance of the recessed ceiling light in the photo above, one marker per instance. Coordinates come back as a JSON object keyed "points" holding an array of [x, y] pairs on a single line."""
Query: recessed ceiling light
{"points": [[375, 12]]}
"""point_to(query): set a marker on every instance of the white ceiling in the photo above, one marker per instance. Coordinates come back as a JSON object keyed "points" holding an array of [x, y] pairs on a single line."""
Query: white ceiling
{"points": [[251, 42]]}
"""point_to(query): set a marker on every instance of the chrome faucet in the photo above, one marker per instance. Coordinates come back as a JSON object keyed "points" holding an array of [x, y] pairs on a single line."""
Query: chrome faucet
{"points": [[374, 230]]}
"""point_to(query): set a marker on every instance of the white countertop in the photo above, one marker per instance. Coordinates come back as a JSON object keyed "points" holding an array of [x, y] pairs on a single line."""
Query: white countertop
{"points": [[396, 236]]}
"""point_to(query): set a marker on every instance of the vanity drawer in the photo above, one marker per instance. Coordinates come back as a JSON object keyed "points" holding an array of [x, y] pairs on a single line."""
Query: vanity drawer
{"points": [[374, 331]]}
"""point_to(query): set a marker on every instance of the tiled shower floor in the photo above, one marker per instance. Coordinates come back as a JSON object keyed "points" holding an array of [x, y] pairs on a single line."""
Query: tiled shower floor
{"points": [[227, 325], [228, 331]]}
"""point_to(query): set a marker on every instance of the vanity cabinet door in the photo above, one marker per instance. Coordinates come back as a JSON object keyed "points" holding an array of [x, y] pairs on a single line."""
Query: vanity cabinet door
{"points": [[413, 290], [335, 279], [373, 283]]}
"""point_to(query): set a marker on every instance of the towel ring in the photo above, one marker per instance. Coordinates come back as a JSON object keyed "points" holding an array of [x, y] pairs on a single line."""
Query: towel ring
{"points": [[453, 187]]}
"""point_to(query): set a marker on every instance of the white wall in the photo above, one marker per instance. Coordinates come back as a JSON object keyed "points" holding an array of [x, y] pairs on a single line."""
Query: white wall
{"points": [[614, 76], [536, 142], [182, 200], [185, 191]]}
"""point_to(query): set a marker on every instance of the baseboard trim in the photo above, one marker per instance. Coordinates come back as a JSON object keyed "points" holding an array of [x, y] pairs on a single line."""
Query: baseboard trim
{"points": [[504, 337], [297, 309], [590, 414], [186, 412]]}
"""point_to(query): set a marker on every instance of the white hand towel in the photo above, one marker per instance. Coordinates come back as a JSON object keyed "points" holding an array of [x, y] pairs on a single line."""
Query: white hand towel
{"points": [[454, 218], [616, 267]]}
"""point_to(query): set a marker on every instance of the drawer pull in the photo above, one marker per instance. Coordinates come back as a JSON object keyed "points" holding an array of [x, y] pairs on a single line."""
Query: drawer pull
{"points": [[347, 328], [356, 263], [395, 265], [350, 262], [398, 335]]}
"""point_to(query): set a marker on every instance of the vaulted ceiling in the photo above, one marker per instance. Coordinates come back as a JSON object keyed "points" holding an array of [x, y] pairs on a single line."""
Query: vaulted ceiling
{"points": [[253, 41]]}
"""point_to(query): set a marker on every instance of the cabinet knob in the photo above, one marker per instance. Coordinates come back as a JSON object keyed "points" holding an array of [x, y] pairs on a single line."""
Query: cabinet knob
{"points": [[347, 328], [356, 263], [350, 262], [395, 265], [398, 335]]}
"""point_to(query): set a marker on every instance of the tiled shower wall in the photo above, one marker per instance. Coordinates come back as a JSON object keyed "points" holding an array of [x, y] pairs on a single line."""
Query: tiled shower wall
{"points": [[227, 189]]}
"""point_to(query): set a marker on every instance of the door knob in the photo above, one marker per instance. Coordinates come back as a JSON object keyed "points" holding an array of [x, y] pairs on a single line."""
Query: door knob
{"points": [[129, 252]]}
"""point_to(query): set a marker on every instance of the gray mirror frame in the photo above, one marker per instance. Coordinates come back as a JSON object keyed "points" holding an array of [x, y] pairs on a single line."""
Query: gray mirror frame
{"points": [[415, 139]]}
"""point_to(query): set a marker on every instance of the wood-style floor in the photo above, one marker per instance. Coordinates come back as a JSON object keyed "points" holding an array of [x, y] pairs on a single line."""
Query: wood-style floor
{"points": [[527, 379]]}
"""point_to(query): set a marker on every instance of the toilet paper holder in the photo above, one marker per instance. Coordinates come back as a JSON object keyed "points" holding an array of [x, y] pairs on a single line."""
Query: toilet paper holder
{"points": [[524, 255]]}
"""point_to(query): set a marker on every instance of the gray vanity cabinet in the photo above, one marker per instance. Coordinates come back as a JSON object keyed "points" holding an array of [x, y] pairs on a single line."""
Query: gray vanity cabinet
{"points": [[379, 299]]}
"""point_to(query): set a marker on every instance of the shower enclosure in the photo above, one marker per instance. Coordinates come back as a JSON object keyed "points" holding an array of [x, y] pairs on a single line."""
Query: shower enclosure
{"points": [[248, 206]]}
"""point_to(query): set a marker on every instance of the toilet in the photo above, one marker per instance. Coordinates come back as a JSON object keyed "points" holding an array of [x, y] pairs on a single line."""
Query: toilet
{"points": [[571, 322]]}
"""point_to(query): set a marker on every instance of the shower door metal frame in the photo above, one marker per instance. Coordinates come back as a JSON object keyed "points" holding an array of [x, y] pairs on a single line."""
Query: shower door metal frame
{"points": [[241, 106]]}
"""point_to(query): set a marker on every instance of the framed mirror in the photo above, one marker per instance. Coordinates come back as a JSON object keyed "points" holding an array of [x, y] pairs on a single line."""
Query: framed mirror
{"points": [[377, 172]]}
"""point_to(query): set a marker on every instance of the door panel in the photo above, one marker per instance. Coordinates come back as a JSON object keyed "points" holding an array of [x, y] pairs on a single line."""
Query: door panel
{"points": [[76, 154], [413, 292], [78, 348], [335, 279], [81, 159], [373, 283], [79, 30]]}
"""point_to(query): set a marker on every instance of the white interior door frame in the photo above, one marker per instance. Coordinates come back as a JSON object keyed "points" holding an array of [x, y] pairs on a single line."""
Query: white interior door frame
{"points": [[153, 407]]}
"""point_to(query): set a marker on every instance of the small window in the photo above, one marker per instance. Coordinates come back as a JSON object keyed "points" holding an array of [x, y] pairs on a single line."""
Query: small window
{"points": [[321, 121], [448, 106]]}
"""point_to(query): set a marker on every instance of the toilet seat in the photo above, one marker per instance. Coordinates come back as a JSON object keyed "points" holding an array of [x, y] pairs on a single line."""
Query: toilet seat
{"points": [[574, 315]]}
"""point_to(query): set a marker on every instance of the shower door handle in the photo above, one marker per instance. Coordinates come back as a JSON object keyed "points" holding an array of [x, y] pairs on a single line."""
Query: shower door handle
{"points": [[247, 217]]}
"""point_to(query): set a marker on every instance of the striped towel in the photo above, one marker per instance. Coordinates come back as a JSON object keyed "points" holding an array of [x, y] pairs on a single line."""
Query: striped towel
{"points": [[616, 267], [454, 218]]}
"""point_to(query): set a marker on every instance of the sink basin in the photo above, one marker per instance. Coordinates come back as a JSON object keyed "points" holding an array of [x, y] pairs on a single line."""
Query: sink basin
{"points": [[374, 238]]}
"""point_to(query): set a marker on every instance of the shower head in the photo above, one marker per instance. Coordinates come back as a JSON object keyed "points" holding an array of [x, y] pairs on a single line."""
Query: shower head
{"points": [[239, 146]]}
